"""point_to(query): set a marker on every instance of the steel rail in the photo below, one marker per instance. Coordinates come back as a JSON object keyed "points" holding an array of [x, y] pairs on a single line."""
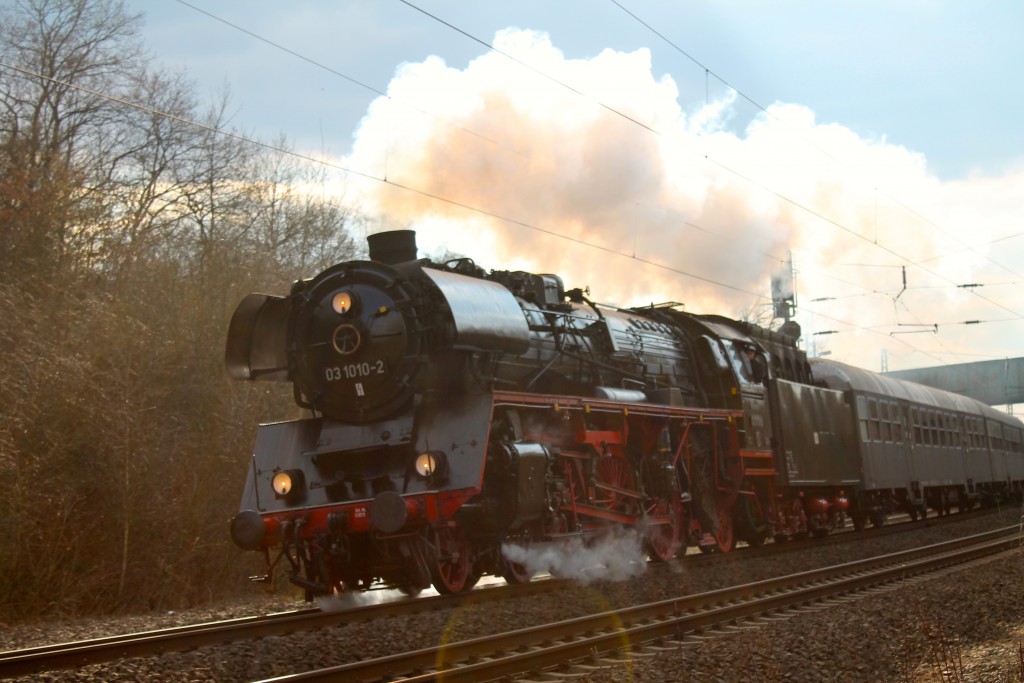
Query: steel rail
{"points": [[180, 638], [93, 651], [587, 638]]}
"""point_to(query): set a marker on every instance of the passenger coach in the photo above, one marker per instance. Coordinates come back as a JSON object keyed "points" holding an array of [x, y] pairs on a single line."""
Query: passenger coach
{"points": [[920, 447]]}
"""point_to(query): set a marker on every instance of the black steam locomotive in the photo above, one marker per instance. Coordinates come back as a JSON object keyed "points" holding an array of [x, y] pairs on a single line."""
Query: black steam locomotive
{"points": [[455, 414]]}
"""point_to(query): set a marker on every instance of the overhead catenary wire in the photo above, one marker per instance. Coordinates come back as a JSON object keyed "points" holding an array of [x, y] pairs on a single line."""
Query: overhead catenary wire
{"points": [[338, 167], [275, 148], [766, 112], [613, 110], [454, 202], [874, 241], [384, 94], [340, 74], [723, 166]]}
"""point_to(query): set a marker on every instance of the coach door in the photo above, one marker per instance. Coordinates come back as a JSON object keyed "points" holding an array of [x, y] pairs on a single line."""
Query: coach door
{"points": [[886, 461], [903, 436], [997, 451]]}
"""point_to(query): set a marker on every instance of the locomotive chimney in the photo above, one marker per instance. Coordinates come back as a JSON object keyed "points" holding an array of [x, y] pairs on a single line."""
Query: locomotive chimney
{"points": [[395, 246]]}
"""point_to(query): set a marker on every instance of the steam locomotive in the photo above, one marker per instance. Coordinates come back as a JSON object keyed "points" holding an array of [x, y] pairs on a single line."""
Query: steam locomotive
{"points": [[455, 414]]}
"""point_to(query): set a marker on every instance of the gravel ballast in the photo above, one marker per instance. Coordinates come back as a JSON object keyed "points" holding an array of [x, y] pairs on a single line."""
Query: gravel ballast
{"points": [[968, 623]]}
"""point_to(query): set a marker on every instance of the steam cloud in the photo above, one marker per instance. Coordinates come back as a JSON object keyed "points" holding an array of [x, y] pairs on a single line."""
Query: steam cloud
{"points": [[710, 193], [615, 556]]}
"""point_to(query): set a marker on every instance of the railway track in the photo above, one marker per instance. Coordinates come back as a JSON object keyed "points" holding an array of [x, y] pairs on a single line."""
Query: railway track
{"points": [[575, 645], [182, 638]]}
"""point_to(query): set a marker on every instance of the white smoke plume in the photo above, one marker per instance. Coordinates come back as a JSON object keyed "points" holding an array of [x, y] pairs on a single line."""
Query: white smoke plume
{"points": [[615, 556], [687, 203]]}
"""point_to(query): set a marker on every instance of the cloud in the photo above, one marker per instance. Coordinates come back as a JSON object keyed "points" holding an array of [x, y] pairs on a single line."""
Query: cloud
{"points": [[661, 195]]}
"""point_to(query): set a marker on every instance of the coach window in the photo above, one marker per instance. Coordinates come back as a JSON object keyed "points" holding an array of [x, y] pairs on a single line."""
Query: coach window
{"points": [[862, 417], [915, 422], [873, 414], [897, 423], [862, 414], [886, 421]]}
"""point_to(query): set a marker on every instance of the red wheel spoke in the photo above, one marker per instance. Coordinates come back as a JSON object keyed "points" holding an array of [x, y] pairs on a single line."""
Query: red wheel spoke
{"points": [[452, 564]]}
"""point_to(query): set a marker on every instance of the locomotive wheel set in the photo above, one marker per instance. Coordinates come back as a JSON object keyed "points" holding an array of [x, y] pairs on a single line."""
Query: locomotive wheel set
{"points": [[459, 418]]}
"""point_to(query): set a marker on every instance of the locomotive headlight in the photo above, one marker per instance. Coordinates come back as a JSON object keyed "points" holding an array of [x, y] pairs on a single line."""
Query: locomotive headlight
{"points": [[287, 483], [430, 464], [342, 303], [426, 464], [282, 483]]}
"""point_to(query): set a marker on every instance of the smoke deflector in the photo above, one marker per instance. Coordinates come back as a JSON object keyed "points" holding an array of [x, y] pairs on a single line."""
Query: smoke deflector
{"points": [[486, 315]]}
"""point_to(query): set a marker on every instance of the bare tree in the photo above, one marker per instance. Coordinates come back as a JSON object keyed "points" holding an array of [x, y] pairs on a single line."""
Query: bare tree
{"points": [[55, 126], [758, 313], [126, 238], [293, 213], [146, 179]]}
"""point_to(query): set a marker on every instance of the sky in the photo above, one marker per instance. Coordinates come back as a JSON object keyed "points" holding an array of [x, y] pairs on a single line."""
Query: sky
{"points": [[666, 151]]}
